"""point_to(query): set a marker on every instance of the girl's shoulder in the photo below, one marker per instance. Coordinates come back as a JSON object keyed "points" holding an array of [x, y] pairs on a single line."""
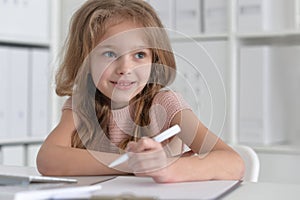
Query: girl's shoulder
{"points": [[168, 98], [166, 104]]}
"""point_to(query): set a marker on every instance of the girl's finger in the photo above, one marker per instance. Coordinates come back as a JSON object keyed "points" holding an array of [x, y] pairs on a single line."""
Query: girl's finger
{"points": [[146, 144]]}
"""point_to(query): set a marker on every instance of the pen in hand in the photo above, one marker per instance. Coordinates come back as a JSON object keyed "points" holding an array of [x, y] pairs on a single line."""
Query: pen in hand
{"points": [[159, 138]]}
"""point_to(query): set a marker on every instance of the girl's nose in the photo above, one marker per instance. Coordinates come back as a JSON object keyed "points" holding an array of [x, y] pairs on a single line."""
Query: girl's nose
{"points": [[124, 65]]}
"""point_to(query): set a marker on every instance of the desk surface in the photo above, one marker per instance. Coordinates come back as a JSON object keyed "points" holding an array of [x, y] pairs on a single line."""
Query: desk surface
{"points": [[82, 180], [245, 191], [265, 191]]}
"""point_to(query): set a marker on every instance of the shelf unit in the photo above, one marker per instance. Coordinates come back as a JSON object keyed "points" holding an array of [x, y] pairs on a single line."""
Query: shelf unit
{"points": [[236, 40], [59, 16], [278, 161], [28, 145]]}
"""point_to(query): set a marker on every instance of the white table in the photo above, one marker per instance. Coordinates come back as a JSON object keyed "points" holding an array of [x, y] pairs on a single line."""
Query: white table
{"points": [[245, 190], [265, 191]]}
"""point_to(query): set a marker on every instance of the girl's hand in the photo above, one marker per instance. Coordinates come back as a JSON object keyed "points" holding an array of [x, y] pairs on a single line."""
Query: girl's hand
{"points": [[148, 158]]}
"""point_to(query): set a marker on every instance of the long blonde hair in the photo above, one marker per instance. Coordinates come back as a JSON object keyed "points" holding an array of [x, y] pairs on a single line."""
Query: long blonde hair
{"points": [[88, 25]]}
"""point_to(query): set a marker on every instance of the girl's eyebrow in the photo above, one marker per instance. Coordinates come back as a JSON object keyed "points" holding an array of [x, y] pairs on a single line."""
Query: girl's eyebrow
{"points": [[141, 47], [108, 46], [132, 48], [100, 48]]}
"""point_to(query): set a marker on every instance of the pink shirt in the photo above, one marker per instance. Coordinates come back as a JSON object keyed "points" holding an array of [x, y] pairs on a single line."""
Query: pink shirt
{"points": [[165, 106]]}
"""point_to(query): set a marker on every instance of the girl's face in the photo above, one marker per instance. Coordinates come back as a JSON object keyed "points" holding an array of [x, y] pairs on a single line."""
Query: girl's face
{"points": [[121, 63]]}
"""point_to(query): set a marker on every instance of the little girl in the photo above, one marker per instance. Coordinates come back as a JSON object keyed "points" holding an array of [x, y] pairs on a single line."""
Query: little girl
{"points": [[117, 65]]}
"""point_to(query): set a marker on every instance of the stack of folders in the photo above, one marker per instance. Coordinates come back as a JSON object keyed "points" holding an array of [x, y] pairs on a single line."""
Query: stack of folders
{"points": [[24, 85], [24, 68]]}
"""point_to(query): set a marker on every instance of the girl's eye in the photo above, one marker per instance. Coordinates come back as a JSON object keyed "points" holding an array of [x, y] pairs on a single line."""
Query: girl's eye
{"points": [[110, 54], [140, 55]]}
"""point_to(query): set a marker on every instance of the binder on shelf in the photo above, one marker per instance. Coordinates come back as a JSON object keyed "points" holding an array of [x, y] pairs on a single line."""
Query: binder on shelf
{"points": [[215, 16], [13, 155], [39, 100], [262, 113], [19, 91], [265, 15], [297, 6], [199, 82], [25, 20], [165, 10], [286, 84], [4, 89], [188, 17], [188, 82]]}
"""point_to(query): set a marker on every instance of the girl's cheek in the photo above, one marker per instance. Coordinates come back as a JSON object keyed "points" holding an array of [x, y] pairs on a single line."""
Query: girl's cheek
{"points": [[144, 71], [99, 73], [98, 67]]}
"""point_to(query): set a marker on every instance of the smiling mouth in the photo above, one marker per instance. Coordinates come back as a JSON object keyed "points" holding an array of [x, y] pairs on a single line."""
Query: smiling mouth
{"points": [[123, 84]]}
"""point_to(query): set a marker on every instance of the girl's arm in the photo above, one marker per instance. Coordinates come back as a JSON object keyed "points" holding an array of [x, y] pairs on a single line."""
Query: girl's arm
{"points": [[57, 157], [213, 159]]}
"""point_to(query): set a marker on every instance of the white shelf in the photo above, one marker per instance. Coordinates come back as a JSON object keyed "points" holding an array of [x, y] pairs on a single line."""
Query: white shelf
{"points": [[201, 37], [268, 34], [288, 37], [21, 141], [24, 42]]}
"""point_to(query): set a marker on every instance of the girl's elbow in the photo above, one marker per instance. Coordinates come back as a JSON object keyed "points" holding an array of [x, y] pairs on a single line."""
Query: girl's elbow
{"points": [[47, 169], [42, 170], [45, 165], [240, 168], [42, 165]]}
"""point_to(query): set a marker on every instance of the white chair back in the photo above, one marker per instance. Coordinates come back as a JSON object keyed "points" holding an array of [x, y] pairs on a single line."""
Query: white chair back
{"points": [[251, 162]]}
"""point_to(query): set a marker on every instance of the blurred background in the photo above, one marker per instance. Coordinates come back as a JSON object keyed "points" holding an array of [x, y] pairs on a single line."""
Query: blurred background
{"points": [[238, 66]]}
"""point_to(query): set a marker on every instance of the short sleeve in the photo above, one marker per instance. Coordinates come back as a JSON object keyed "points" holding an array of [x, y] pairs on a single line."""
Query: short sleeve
{"points": [[171, 103]]}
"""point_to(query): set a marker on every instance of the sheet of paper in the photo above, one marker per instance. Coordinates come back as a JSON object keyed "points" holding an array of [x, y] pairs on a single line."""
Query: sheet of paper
{"points": [[79, 192], [138, 186]]}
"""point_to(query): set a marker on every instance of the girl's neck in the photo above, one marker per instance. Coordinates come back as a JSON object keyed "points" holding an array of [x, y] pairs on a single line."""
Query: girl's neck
{"points": [[119, 105]]}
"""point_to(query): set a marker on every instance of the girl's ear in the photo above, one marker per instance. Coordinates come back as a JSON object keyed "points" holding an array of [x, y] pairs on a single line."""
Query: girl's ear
{"points": [[155, 58], [153, 74], [158, 74]]}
